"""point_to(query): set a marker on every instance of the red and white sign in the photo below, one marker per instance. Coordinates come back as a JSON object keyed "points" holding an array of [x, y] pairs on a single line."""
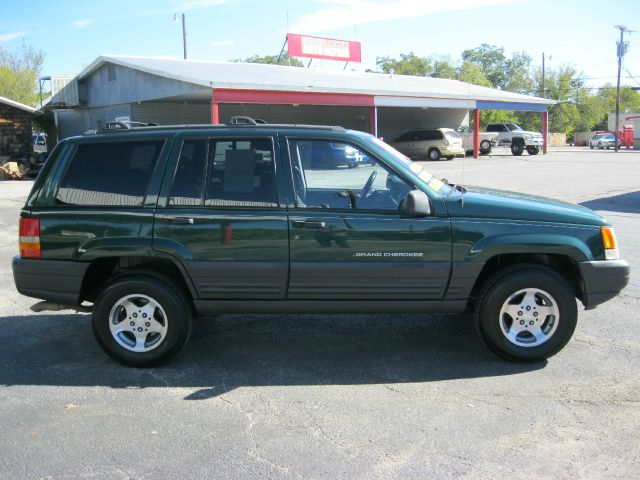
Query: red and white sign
{"points": [[325, 48]]}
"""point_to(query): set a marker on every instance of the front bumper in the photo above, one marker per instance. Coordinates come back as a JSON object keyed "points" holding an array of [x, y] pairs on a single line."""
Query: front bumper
{"points": [[602, 280], [54, 280], [534, 142]]}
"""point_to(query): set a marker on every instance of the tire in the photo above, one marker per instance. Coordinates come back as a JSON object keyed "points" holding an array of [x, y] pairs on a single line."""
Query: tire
{"points": [[590, 146], [485, 147], [541, 288], [533, 150], [517, 148], [450, 157], [168, 330], [433, 154]]}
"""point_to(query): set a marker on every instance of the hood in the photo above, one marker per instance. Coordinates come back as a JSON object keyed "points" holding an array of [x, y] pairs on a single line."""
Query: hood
{"points": [[527, 132], [489, 203]]}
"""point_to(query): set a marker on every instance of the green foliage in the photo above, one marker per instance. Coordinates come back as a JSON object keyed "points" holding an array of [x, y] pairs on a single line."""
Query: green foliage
{"points": [[19, 72], [271, 60], [472, 73], [504, 73], [411, 64]]}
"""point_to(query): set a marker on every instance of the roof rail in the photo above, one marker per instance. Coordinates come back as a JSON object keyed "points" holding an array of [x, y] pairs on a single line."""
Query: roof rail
{"points": [[126, 125]]}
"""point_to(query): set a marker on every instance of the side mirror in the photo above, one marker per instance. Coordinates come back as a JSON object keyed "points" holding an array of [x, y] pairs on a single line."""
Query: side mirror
{"points": [[417, 204]]}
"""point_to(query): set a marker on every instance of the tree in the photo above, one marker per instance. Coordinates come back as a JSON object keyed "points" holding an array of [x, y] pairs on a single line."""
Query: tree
{"points": [[271, 60], [510, 74], [407, 64], [19, 72]]}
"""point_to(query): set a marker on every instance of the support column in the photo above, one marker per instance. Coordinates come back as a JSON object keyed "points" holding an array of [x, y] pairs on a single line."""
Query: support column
{"points": [[476, 133], [215, 117], [545, 130], [374, 121]]}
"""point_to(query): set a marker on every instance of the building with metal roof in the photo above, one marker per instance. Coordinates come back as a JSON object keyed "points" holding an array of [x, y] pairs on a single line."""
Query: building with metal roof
{"points": [[167, 91], [15, 128]]}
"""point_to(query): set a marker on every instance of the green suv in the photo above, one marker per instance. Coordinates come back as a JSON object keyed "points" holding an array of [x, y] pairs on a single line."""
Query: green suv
{"points": [[149, 227]]}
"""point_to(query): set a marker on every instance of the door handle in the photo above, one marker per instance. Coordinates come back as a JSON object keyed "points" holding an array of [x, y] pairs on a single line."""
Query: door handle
{"points": [[177, 220], [308, 224]]}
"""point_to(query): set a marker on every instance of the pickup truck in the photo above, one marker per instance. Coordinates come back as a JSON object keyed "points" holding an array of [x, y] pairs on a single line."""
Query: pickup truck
{"points": [[148, 227], [513, 136]]}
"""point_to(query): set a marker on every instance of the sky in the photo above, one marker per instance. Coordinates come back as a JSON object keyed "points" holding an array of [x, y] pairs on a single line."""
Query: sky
{"points": [[72, 34]]}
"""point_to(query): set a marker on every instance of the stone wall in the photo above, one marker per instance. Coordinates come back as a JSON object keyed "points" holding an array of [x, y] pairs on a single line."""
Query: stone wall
{"points": [[15, 131]]}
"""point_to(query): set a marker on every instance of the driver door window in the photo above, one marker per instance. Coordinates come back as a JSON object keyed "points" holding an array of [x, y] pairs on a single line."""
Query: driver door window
{"points": [[335, 175]]}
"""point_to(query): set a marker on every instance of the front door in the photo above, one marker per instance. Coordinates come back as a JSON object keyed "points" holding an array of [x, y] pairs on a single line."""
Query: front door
{"points": [[349, 241], [219, 214]]}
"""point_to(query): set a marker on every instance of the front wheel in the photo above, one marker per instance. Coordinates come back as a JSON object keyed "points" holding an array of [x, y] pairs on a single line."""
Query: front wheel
{"points": [[533, 150], [433, 154], [517, 148], [526, 313], [141, 320]]}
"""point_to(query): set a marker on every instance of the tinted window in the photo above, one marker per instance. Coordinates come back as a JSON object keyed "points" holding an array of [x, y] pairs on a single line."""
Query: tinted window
{"points": [[188, 180], [405, 137], [345, 178], [109, 174], [241, 173]]}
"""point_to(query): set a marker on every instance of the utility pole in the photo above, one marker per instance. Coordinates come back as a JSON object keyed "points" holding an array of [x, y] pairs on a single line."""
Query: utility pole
{"points": [[621, 50], [543, 95], [184, 34]]}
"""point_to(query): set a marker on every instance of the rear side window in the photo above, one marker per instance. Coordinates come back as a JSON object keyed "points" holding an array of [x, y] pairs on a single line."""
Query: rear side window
{"points": [[225, 173], [112, 174]]}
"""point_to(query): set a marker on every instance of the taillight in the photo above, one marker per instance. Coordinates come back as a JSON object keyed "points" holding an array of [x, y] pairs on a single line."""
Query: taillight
{"points": [[30, 238]]}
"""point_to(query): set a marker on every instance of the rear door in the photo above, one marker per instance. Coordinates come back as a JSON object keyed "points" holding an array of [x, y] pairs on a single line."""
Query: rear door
{"points": [[349, 240], [219, 214]]}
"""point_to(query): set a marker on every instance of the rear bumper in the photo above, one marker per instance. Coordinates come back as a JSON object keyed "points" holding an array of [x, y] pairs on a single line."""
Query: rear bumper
{"points": [[54, 280], [603, 280]]}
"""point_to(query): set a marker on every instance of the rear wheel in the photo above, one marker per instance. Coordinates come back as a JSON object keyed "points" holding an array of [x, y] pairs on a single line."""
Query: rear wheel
{"points": [[485, 147], [433, 154], [517, 147], [141, 320], [526, 313], [533, 150]]}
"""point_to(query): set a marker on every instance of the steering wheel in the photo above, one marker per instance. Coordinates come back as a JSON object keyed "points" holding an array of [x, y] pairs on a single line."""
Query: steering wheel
{"points": [[366, 190]]}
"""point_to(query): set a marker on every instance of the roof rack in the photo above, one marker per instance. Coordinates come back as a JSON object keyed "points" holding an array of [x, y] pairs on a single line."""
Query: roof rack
{"points": [[126, 125]]}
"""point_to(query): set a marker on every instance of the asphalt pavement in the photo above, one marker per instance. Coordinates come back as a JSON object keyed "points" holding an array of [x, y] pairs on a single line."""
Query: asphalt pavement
{"points": [[336, 396]]}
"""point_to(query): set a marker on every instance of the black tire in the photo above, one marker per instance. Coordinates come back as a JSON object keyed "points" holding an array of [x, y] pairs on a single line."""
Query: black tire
{"points": [[503, 286], [517, 147], [485, 147], [433, 154], [533, 150], [173, 304]]}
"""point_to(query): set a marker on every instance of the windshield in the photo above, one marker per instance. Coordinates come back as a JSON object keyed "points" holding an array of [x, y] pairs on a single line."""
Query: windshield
{"points": [[513, 127], [430, 180]]}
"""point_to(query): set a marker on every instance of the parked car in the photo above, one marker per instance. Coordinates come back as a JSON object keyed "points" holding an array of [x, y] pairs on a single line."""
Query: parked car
{"points": [[604, 140], [485, 141], [39, 142], [518, 140], [331, 155], [430, 143], [147, 227]]}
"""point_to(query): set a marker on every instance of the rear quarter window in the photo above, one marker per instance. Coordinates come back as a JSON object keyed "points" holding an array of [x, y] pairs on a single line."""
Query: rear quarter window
{"points": [[109, 174]]}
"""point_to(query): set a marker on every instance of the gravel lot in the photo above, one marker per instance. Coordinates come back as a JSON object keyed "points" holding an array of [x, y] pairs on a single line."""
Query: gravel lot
{"points": [[355, 396]]}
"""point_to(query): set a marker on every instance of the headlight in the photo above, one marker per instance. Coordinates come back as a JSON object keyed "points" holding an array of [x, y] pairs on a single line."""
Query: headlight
{"points": [[610, 244]]}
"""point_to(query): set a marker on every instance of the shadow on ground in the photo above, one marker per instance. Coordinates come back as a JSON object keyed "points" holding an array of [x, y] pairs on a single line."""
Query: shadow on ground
{"points": [[625, 203], [255, 350]]}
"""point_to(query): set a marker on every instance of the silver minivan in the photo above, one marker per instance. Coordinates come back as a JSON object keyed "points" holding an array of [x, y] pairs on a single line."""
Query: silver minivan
{"points": [[430, 143]]}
